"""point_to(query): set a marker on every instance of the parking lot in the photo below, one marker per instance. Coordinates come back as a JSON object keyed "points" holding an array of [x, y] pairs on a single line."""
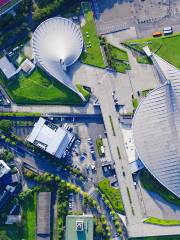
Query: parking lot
{"points": [[147, 16], [84, 151]]}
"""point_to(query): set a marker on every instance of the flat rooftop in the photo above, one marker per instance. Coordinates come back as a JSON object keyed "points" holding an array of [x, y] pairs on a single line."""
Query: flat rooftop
{"points": [[7, 67], [4, 169], [43, 216], [50, 138], [79, 227]]}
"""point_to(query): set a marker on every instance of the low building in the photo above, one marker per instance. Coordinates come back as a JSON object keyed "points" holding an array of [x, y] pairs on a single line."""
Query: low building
{"points": [[6, 195], [7, 67], [4, 169], [13, 219], [51, 138], [43, 216], [79, 227], [27, 67]]}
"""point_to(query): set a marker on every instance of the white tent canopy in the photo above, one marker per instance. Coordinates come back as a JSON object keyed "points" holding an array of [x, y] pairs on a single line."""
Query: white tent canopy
{"points": [[57, 44]]}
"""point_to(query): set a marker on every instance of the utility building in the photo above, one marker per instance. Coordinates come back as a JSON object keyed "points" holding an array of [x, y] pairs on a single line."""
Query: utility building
{"points": [[79, 227], [51, 138]]}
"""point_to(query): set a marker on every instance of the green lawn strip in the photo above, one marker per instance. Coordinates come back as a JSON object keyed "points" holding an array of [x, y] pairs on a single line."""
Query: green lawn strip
{"points": [[39, 88], [62, 209], [112, 125], [163, 222], [29, 211], [145, 92], [177, 237], [165, 47], [144, 60], [99, 144], [151, 184], [20, 114], [119, 54], [121, 67], [93, 54], [83, 91], [117, 58], [112, 194], [135, 103]]}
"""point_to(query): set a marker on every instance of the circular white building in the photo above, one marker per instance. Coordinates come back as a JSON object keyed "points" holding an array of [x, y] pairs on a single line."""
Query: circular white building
{"points": [[57, 44], [156, 127]]}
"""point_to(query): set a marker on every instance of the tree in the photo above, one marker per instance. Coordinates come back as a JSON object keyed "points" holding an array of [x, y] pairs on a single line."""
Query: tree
{"points": [[85, 194], [25, 194], [57, 179], [78, 190], [30, 174], [116, 223], [112, 213], [99, 229], [13, 143], [107, 202], [7, 156], [5, 125], [7, 140], [119, 230], [4, 236]]}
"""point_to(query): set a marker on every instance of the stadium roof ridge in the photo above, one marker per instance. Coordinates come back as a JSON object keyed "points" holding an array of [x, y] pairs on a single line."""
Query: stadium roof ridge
{"points": [[156, 127]]}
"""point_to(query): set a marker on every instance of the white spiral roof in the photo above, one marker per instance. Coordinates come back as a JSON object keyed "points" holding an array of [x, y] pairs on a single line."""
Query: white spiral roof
{"points": [[156, 127], [57, 44]]}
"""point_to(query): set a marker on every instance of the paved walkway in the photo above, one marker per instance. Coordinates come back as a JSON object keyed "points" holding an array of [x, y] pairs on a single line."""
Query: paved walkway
{"points": [[135, 212]]}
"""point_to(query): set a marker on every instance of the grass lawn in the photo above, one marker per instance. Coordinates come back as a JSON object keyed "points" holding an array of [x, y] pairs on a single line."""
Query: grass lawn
{"points": [[112, 194], [158, 238], [29, 210], [119, 54], [145, 92], [99, 143], [26, 231], [84, 92], [151, 184], [135, 103], [38, 88], [163, 222], [144, 60], [117, 58], [121, 66], [166, 47], [93, 56]]}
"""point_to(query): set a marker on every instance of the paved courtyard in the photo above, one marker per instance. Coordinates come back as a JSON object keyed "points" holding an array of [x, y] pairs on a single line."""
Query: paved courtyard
{"points": [[156, 206]]}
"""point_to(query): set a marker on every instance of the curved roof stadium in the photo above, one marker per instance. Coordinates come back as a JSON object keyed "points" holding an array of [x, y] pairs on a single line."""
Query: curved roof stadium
{"points": [[156, 127], [57, 44]]}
